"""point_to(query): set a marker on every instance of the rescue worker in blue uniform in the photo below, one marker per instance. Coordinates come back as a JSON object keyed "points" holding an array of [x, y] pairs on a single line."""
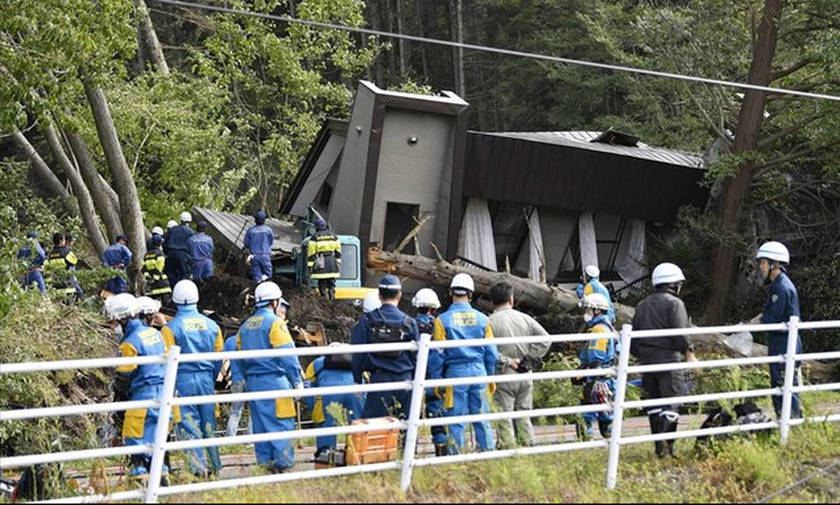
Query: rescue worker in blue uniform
{"points": [[137, 382], [258, 241], [117, 257], [201, 253], [384, 325], [323, 258], [154, 272], [459, 322], [590, 284], [195, 333], [597, 353], [326, 371], [782, 303], [265, 330], [426, 303], [34, 256], [59, 268], [237, 385], [178, 250]]}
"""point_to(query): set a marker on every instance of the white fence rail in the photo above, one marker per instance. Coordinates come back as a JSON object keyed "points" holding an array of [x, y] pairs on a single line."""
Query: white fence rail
{"points": [[417, 386]]}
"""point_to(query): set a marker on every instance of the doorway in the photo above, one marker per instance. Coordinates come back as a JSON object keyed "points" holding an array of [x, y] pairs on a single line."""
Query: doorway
{"points": [[400, 219]]}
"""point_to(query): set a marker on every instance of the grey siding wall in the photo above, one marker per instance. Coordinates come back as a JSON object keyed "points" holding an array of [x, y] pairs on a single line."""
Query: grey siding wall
{"points": [[417, 174], [345, 209]]}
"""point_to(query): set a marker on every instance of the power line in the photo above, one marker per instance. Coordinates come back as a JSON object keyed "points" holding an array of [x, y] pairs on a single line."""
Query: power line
{"points": [[508, 52]]}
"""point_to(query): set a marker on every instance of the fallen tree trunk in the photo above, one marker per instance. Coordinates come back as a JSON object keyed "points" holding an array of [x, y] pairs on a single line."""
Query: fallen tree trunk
{"points": [[539, 298], [536, 297]]}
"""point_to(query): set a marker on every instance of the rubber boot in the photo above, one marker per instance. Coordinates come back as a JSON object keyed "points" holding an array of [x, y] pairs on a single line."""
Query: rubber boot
{"points": [[440, 450], [670, 427], [656, 427]]}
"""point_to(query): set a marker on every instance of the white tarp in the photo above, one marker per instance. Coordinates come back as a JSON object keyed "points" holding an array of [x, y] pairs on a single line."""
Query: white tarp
{"points": [[630, 262], [588, 243], [475, 239], [536, 251]]}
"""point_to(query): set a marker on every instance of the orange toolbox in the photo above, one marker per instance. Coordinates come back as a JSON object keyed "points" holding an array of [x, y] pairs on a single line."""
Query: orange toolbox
{"points": [[374, 446]]}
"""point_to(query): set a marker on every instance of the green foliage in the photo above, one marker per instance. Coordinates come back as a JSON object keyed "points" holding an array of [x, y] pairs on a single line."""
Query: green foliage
{"points": [[282, 84]]}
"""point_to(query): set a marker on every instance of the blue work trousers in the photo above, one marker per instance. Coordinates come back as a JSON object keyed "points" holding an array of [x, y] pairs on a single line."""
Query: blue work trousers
{"points": [[198, 421], [180, 265], [202, 269], [470, 399], [116, 285], [279, 453], [35, 277], [353, 405], [434, 409], [139, 424], [777, 347], [387, 403], [261, 267]]}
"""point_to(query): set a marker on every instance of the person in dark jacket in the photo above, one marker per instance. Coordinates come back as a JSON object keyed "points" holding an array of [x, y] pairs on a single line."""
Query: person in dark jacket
{"points": [[387, 324], [323, 256], [782, 303], [663, 310], [178, 250]]}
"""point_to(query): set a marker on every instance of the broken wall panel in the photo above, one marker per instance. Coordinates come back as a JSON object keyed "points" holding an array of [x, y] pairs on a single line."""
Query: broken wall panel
{"points": [[558, 228]]}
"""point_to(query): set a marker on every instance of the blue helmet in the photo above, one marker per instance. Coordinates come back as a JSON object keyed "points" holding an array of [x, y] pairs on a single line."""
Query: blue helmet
{"points": [[260, 217], [390, 282], [157, 240], [320, 224], [32, 234]]}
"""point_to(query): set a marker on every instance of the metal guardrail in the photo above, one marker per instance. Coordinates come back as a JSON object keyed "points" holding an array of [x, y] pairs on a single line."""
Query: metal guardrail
{"points": [[417, 386]]}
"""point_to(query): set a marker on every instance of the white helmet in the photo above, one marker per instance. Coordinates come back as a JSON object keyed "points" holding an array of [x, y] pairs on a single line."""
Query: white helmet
{"points": [[185, 292], [157, 230], [148, 305], [186, 217], [462, 282], [267, 291], [121, 306], [171, 223], [426, 298], [773, 251], [371, 302], [666, 273], [592, 271], [595, 301]]}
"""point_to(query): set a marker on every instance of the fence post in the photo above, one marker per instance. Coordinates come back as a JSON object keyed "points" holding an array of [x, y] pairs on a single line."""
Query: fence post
{"points": [[790, 370], [162, 427], [417, 395], [618, 406]]}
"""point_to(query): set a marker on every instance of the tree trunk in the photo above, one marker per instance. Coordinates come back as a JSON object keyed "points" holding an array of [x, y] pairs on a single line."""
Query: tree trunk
{"points": [[456, 21], [376, 24], [99, 189], [736, 190], [149, 36], [47, 179], [86, 207], [403, 48], [527, 293], [423, 60], [131, 214]]}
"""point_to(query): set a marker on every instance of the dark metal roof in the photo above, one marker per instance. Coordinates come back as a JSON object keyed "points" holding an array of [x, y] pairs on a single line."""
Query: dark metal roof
{"points": [[587, 140], [567, 171], [229, 230]]}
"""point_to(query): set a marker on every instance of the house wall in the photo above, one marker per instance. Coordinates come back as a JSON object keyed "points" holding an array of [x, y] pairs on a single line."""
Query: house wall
{"points": [[417, 174], [320, 171], [346, 206]]}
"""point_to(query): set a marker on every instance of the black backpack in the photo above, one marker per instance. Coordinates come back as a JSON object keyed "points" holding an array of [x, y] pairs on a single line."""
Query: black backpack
{"points": [[744, 413], [382, 332]]}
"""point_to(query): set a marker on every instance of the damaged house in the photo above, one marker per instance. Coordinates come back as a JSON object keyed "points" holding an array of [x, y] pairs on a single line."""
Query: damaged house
{"points": [[542, 204]]}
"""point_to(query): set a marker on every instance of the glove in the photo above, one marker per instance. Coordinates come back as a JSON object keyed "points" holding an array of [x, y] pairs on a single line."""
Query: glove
{"points": [[248, 259], [299, 387], [491, 387]]}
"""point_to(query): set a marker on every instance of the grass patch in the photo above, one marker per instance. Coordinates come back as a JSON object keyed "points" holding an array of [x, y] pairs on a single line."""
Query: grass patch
{"points": [[740, 469]]}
